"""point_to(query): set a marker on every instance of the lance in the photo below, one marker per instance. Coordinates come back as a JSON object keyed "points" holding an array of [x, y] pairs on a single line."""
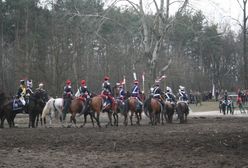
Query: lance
{"points": [[143, 82]]}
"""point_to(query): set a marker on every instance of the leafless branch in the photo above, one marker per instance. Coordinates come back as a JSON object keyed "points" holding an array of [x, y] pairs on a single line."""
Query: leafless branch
{"points": [[240, 5]]}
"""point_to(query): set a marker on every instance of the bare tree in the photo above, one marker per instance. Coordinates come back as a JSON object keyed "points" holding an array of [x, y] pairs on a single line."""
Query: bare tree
{"points": [[154, 33], [244, 29]]}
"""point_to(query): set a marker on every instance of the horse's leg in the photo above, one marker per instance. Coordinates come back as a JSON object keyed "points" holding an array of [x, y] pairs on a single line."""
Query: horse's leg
{"points": [[110, 118], [97, 119], [138, 118], [91, 117], [131, 117], [73, 118], [125, 118], [2, 121], [85, 119], [37, 120], [116, 117], [33, 120]]}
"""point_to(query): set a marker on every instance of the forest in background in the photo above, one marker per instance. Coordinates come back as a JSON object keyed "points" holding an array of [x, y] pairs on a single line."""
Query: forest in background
{"points": [[84, 39]]}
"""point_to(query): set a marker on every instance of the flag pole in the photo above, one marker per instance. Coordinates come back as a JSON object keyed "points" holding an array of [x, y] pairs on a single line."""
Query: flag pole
{"points": [[143, 82]]}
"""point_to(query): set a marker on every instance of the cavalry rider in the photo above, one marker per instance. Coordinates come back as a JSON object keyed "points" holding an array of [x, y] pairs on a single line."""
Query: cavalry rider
{"points": [[67, 97], [135, 91], [106, 91], [169, 96], [41, 89], [84, 93], [157, 93], [21, 93], [182, 94], [29, 91], [121, 94], [29, 87]]}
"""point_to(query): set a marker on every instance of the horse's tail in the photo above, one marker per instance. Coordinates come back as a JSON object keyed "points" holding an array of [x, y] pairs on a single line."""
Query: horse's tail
{"points": [[55, 110], [46, 110], [147, 106]]}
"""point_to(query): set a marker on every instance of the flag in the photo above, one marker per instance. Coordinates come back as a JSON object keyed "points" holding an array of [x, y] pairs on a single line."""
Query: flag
{"points": [[123, 82], [143, 76], [134, 76]]}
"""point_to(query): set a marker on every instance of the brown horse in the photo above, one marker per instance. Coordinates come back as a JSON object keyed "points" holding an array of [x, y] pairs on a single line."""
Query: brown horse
{"points": [[96, 106], [76, 106], [156, 110], [168, 112], [133, 106], [182, 111]]}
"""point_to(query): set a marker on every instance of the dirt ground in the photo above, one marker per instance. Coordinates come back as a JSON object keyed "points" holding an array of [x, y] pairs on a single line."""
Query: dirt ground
{"points": [[204, 142]]}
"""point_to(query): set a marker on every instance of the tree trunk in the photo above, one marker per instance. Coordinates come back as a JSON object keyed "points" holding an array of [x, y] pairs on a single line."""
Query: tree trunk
{"points": [[244, 46]]}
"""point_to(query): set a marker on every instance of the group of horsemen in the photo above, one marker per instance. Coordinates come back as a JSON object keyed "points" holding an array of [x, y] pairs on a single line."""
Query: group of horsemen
{"points": [[84, 93]]}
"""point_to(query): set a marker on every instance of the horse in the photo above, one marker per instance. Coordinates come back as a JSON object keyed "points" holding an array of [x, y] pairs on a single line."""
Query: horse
{"points": [[132, 105], [34, 104], [37, 111], [35, 107], [182, 111], [3, 99], [156, 110], [168, 111], [96, 105], [54, 108]]}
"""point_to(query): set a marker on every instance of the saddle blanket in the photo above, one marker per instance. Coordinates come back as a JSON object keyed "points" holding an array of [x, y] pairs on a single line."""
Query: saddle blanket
{"points": [[17, 104]]}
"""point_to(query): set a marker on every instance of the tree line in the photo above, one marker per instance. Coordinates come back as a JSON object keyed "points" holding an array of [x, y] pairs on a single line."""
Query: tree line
{"points": [[84, 39]]}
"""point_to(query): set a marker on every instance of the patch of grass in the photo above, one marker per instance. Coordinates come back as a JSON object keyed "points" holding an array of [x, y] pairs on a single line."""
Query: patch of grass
{"points": [[205, 106]]}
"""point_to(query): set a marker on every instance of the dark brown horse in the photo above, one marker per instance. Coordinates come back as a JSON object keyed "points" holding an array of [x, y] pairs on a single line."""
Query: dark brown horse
{"points": [[168, 111], [96, 106], [34, 104], [182, 111]]}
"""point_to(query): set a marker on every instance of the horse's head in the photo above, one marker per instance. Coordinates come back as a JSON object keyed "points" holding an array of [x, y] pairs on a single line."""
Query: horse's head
{"points": [[40, 96]]}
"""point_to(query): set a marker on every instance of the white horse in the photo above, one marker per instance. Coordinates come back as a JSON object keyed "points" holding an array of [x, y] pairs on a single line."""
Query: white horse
{"points": [[53, 109]]}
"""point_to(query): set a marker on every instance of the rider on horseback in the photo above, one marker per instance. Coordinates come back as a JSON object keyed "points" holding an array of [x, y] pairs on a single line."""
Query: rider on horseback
{"points": [[182, 94], [67, 96], [169, 96], [135, 92], [29, 87], [157, 93], [106, 91], [121, 95], [29, 91], [21, 93], [40, 89], [84, 93]]}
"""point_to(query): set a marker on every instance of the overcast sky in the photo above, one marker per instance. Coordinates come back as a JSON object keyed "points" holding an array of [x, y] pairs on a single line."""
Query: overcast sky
{"points": [[216, 11]]}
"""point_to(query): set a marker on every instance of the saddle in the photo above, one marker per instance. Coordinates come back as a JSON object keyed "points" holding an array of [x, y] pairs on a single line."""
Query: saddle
{"points": [[139, 104], [81, 98]]}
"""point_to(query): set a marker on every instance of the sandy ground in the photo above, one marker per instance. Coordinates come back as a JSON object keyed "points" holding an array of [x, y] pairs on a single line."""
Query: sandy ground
{"points": [[208, 140]]}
